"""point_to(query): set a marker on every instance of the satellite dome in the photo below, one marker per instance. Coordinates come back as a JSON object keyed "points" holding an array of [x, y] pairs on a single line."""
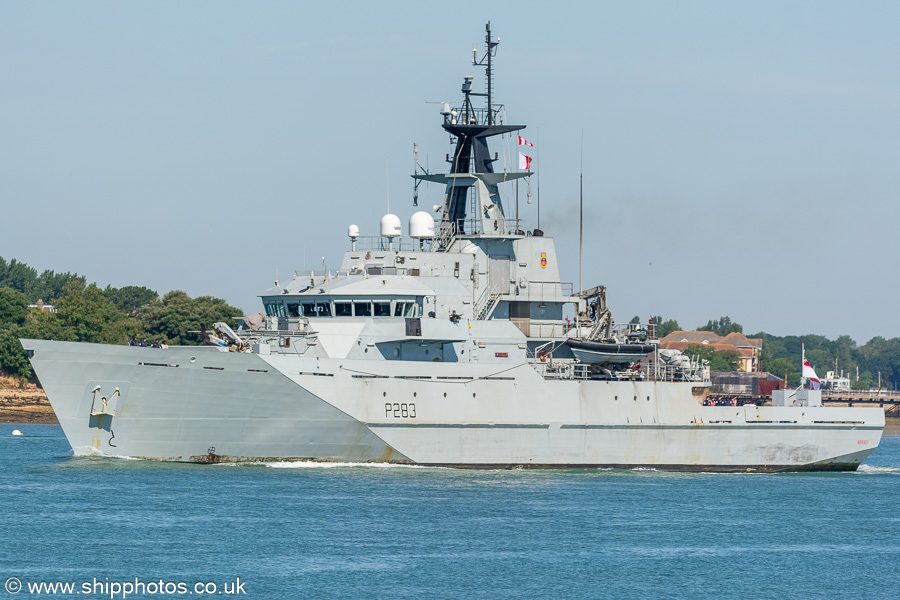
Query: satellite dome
{"points": [[421, 225], [391, 226], [353, 231]]}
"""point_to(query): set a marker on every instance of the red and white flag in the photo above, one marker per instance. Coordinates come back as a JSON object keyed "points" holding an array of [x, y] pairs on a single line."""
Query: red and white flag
{"points": [[524, 142], [524, 162], [810, 373]]}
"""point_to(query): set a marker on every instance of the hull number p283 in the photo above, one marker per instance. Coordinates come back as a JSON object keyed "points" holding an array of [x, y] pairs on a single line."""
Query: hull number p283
{"points": [[400, 410]]}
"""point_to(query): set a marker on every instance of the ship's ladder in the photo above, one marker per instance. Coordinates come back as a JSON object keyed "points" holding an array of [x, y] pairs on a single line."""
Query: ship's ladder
{"points": [[446, 234], [485, 305]]}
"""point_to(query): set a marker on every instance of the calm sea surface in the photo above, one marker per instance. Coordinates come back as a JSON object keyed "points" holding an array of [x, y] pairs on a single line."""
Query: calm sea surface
{"points": [[301, 531]]}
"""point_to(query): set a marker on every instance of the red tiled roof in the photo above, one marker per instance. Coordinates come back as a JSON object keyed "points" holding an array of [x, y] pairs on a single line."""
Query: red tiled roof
{"points": [[741, 340], [694, 337]]}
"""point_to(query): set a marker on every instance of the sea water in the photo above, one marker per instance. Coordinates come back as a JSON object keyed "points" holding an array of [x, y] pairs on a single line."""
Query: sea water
{"points": [[115, 528]]}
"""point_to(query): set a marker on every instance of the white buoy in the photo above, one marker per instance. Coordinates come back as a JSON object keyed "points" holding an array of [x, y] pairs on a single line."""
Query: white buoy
{"points": [[16, 432]]}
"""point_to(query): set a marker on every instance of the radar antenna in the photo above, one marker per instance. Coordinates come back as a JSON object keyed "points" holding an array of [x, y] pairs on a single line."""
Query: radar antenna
{"points": [[471, 175], [486, 62]]}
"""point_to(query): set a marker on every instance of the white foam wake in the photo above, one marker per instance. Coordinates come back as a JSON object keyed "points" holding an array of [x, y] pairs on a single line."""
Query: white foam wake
{"points": [[87, 451], [875, 470], [311, 464]]}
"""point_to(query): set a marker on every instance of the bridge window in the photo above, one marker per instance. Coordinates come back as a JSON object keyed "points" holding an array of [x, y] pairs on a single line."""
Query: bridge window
{"points": [[274, 309], [293, 310], [362, 309], [405, 309], [343, 309], [317, 309], [382, 309]]}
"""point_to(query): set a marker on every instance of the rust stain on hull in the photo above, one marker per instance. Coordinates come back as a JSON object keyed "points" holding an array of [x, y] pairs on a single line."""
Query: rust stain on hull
{"points": [[214, 459]]}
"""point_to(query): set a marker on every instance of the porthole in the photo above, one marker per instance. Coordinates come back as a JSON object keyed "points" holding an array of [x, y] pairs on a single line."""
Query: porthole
{"points": [[445, 394], [473, 395], [414, 394], [635, 398], [193, 359], [648, 398], [384, 394]]}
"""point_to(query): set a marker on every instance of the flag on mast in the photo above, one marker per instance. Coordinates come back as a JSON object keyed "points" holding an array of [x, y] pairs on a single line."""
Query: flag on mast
{"points": [[810, 373], [524, 162], [524, 142]]}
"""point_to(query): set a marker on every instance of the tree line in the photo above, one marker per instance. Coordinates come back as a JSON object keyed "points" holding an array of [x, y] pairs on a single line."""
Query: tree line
{"points": [[780, 355], [87, 313]]}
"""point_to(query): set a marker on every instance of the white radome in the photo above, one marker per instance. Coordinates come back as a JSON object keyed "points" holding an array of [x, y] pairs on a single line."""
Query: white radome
{"points": [[391, 226], [421, 225]]}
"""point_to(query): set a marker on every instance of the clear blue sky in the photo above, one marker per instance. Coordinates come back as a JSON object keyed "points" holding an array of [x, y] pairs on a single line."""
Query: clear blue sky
{"points": [[740, 159]]}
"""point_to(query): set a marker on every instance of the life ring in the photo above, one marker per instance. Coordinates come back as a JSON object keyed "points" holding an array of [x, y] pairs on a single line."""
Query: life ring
{"points": [[543, 356]]}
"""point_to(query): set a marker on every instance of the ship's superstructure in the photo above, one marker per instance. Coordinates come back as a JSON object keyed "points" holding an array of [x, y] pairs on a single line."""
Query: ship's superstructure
{"points": [[449, 346]]}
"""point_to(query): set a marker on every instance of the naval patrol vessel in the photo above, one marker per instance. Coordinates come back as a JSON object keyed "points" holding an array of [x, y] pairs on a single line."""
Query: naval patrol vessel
{"points": [[449, 346]]}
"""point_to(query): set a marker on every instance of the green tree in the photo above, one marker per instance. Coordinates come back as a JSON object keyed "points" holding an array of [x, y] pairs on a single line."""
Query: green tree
{"points": [[90, 317], [18, 276], [42, 325], [13, 307], [39, 325], [664, 328], [130, 297], [22, 278], [722, 326], [881, 356], [177, 314], [861, 384], [49, 286], [823, 354], [725, 360], [783, 367], [13, 360], [635, 320]]}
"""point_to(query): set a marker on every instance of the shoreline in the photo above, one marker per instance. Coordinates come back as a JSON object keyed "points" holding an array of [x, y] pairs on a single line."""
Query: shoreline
{"points": [[30, 406], [26, 407]]}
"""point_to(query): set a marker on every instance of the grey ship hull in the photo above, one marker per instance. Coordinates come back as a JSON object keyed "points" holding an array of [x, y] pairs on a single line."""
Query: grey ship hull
{"points": [[201, 405], [193, 405]]}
